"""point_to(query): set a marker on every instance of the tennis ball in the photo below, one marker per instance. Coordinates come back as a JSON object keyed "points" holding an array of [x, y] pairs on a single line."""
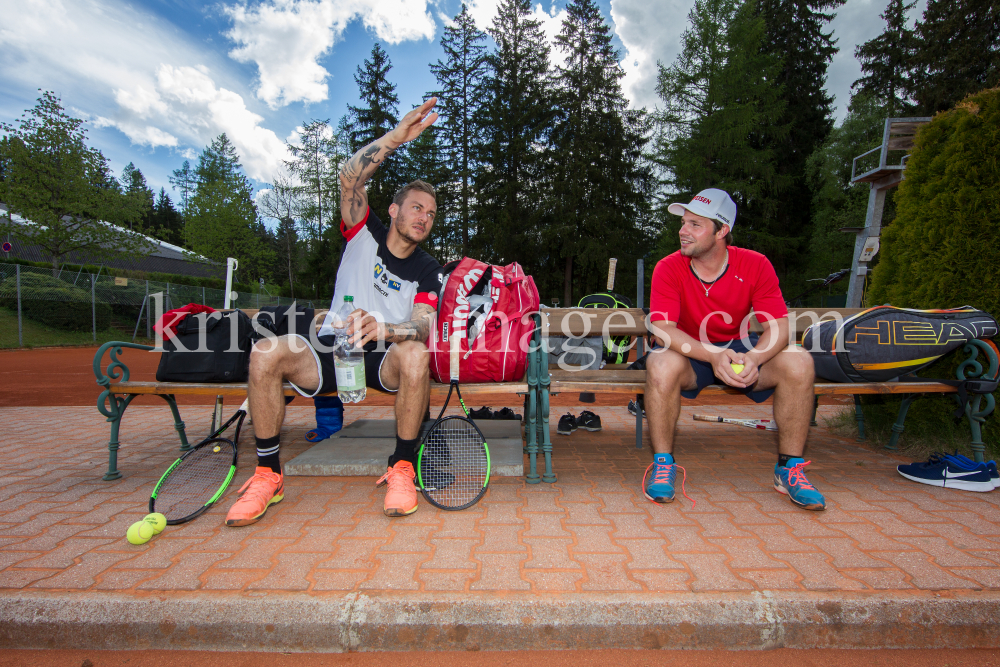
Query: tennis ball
{"points": [[139, 532], [157, 521], [737, 368]]}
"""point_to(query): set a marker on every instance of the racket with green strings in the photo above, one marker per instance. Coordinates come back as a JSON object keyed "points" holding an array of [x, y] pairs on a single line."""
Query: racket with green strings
{"points": [[195, 481], [453, 464]]}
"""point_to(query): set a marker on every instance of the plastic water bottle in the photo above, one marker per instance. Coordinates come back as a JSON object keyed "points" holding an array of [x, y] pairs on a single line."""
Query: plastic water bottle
{"points": [[348, 359]]}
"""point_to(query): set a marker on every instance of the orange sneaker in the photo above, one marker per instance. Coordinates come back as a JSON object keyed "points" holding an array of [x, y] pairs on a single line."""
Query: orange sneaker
{"points": [[401, 497], [264, 489]]}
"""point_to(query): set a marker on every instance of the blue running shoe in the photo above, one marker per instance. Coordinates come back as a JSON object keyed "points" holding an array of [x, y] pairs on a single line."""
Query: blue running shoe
{"points": [[939, 471], [659, 486], [966, 462], [329, 418], [791, 481]]}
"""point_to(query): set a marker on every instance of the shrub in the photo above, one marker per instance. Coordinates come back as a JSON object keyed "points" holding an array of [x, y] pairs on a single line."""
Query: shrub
{"points": [[56, 303]]}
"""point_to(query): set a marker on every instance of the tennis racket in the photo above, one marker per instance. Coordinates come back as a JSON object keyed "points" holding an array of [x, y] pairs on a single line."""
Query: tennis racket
{"points": [[199, 477], [612, 263], [763, 424], [453, 464]]}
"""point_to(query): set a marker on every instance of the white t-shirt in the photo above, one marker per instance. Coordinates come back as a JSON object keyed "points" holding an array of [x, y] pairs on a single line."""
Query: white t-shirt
{"points": [[381, 283]]}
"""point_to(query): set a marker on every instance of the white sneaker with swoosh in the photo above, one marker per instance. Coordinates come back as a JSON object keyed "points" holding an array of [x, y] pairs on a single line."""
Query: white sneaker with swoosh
{"points": [[938, 472]]}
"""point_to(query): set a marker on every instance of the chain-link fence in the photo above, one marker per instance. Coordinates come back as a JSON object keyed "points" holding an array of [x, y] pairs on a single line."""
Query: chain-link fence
{"points": [[64, 309]]}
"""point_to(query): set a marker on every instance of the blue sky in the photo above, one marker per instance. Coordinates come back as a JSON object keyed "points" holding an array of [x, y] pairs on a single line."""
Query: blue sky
{"points": [[158, 79]]}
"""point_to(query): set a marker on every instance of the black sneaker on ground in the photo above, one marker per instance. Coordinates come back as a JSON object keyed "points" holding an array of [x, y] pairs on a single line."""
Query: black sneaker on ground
{"points": [[506, 413], [481, 414], [633, 408], [589, 421], [567, 424]]}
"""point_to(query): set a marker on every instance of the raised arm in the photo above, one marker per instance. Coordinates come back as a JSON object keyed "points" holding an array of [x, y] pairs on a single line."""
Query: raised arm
{"points": [[356, 171]]}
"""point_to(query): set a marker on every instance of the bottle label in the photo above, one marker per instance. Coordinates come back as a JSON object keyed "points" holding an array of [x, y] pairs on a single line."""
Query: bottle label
{"points": [[350, 378]]}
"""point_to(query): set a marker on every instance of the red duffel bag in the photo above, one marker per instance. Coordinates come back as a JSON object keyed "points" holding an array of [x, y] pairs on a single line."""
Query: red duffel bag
{"points": [[486, 307]]}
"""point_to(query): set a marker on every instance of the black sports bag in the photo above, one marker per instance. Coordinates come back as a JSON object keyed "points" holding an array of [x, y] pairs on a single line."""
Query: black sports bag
{"points": [[224, 357], [279, 319], [616, 348], [885, 342]]}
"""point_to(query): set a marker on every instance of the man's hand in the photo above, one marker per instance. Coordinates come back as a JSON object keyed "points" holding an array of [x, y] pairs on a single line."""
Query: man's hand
{"points": [[414, 123], [722, 367], [363, 327]]}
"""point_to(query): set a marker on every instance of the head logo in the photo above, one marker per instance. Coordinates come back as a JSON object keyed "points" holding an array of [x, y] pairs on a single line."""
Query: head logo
{"points": [[378, 270], [704, 200]]}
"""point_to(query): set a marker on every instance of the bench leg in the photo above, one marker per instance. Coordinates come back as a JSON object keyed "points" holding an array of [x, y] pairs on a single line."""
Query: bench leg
{"points": [[531, 431], [977, 417], [638, 422], [548, 476], [897, 428], [860, 416], [119, 404], [815, 410], [178, 424]]}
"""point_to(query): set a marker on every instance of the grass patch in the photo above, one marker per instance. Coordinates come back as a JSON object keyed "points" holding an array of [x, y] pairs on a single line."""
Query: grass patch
{"points": [[928, 427], [37, 334]]}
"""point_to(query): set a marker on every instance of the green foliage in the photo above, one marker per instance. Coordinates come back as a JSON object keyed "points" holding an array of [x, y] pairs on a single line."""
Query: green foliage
{"points": [[460, 88], [957, 52], [56, 302], [836, 203], [53, 179], [885, 60], [378, 114], [222, 216], [315, 163]]}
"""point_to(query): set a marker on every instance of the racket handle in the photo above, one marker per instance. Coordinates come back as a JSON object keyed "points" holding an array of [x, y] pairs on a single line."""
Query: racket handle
{"points": [[707, 418], [455, 355], [612, 263]]}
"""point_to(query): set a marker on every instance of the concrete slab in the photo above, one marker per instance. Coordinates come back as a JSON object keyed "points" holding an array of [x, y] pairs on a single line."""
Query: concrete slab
{"points": [[362, 447]]}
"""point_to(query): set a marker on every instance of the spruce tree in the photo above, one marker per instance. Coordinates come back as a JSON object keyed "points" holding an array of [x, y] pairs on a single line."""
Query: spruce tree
{"points": [[600, 180], [427, 159], [135, 187], [513, 122], [315, 163], [460, 89], [165, 221], [885, 60], [795, 35], [378, 114], [957, 52], [184, 180]]}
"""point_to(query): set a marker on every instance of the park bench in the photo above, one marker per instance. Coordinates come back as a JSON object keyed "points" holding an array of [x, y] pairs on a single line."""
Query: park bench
{"points": [[617, 379], [119, 391]]}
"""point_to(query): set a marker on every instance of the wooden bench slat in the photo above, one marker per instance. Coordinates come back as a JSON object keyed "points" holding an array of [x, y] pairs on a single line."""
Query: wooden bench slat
{"points": [[240, 388]]}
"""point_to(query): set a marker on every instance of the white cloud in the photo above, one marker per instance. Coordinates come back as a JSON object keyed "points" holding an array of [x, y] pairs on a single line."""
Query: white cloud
{"points": [[650, 32], [129, 70], [287, 38], [484, 11]]}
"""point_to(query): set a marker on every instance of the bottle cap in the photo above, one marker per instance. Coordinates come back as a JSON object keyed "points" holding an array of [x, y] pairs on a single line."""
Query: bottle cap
{"points": [[349, 299]]}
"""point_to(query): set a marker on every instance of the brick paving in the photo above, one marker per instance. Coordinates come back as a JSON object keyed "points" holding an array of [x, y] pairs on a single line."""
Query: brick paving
{"points": [[62, 528]]}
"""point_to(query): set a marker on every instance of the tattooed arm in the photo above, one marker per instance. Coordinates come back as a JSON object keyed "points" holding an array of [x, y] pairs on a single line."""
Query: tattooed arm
{"points": [[364, 327], [356, 171]]}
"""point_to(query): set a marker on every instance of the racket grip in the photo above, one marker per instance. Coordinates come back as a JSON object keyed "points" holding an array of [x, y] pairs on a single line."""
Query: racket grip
{"points": [[707, 418], [455, 355], [612, 263]]}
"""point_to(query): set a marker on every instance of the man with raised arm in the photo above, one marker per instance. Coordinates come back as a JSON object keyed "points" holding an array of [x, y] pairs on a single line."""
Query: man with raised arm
{"points": [[701, 298], [395, 287]]}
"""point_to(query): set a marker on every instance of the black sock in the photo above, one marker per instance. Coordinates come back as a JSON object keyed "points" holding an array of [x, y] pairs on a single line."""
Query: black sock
{"points": [[783, 459], [406, 450], [267, 453]]}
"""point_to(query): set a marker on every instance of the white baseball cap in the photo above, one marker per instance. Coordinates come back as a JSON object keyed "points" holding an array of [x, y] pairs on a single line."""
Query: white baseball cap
{"points": [[711, 203]]}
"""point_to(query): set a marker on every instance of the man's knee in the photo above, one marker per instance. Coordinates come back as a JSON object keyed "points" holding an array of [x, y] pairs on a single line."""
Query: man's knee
{"points": [[412, 359], [665, 368], [797, 366], [268, 358]]}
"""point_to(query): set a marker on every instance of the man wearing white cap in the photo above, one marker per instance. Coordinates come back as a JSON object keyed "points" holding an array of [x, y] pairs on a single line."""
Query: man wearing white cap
{"points": [[701, 298]]}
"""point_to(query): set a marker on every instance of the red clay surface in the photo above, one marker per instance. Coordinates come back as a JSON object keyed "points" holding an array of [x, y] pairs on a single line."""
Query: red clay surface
{"points": [[638, 658], [65, 376]]}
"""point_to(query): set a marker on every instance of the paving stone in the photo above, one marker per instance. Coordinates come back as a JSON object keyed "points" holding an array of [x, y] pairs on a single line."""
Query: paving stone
{"points": [[711, 573]]}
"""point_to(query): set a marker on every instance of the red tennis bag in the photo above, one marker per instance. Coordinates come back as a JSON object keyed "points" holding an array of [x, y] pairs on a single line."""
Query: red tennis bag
{"points": [[486, 309]]}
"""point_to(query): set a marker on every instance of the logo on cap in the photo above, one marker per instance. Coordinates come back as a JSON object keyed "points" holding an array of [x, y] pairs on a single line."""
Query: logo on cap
{"points": [[702, 199]]}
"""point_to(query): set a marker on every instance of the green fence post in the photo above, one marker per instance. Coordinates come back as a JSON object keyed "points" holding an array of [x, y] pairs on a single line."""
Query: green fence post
{"points": [[20, 334], [149, 334], [93, 303], [203, 295]]}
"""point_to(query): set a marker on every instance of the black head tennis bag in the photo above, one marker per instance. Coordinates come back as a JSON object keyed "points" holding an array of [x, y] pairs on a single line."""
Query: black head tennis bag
{"points": [[885, 342], [616, 348]]}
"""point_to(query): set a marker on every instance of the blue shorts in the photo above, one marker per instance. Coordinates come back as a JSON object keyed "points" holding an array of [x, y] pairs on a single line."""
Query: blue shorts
{"points": [[706, 375]]}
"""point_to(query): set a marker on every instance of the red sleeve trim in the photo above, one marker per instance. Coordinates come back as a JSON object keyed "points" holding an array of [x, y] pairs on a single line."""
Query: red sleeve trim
{"points": [[353, 231], [430, 298], [658, 317]]}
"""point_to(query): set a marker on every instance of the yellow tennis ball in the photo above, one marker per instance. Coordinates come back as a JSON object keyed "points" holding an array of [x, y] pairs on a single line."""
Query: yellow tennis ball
{"points": [[139, 532], [157, 521], [737, 368]]}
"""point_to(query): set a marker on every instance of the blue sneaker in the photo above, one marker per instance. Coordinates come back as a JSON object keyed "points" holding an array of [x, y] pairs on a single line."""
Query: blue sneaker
{"points": [[969, 464], [329, 418], [659, 487], [791, 481], [939, 471]]}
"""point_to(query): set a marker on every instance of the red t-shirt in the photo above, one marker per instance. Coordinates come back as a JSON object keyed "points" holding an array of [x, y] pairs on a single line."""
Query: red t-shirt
{"points": [[749, 282]]}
